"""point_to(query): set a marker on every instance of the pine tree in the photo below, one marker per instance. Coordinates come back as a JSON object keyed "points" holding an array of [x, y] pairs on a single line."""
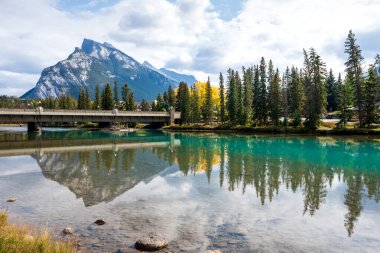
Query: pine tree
{"points": [[285, 95], [296, 97], [221, 97], [166, 101], [345, 100], [274, 97], [332, 99], [262, 96], [207, 107], [371, 92], [183, 102], [116, 95], [87, 100], [195, 112], [107, 99], [315, 88], [97, 102], [231, 96], [239, 99], [171, 95], [256, 95], [160, 106], [81, 99], [354, 73], [131, 105], [145, 106], [128, 98], [248, 94]]}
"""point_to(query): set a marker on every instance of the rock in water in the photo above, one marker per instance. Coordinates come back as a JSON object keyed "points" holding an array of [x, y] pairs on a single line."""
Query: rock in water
{"points": [[100, 222], [151, 242], [11, 200], [67, 231]]}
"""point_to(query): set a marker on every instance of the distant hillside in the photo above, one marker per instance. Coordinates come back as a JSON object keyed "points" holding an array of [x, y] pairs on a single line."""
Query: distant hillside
{"points": [[95, 63]]}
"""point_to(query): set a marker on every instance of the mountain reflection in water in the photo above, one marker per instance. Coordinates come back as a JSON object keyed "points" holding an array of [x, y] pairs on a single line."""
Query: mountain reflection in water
{"points": [[99, 167]]}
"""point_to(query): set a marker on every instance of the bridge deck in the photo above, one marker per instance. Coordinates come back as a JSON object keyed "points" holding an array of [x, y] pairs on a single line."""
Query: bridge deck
{"points": [[61, 116]]}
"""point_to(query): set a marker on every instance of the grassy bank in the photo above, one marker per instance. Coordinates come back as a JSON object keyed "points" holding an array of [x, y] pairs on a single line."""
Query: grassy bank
{"points": [[323, 130], [21, 239]]}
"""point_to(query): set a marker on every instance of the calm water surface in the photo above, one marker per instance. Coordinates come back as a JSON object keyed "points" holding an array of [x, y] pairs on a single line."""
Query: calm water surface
{"points": [[236, 193]]}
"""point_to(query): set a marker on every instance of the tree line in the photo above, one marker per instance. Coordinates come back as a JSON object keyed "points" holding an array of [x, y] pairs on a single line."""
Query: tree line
{"points": [[261, 96]]}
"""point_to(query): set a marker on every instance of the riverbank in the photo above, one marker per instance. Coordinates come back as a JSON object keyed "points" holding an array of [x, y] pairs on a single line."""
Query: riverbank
{"points": [[271, 130], [23, 239]]}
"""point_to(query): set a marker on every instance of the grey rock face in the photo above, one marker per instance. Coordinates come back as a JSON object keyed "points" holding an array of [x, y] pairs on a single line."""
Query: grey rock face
{"points": [[95, 63]]}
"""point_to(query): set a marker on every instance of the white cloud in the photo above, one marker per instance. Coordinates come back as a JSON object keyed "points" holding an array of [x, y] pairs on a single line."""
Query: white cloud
{"points": [[187, 35]]}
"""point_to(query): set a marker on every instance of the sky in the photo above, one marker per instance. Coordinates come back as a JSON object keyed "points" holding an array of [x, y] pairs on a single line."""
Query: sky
{"points": [[199, 37]]}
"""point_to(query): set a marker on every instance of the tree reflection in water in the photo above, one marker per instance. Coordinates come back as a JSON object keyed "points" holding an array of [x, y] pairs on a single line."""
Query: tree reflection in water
{"points": [[266, 164]]}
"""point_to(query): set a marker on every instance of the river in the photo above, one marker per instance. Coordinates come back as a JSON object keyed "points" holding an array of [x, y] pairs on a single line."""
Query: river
{"points": [[232, 192]]}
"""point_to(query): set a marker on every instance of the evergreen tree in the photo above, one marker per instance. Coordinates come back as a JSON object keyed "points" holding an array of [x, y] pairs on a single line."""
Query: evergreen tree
{"points": [[171, 95], [239, 93], [183, 102], [195, 112], [87, 100], [166, 101], [274, 97], [107, 99], [256, 95], [262, 96], [345, 101], [231, 96], [315, 88], [371, 94], [285, 95], [160, 105], [81, 99], [248, 94], [145, 106], [131, 105], [296, 97], [332, 98], [116, 95], [128, 98], [354, 74], [97, 102], [221, 97]]}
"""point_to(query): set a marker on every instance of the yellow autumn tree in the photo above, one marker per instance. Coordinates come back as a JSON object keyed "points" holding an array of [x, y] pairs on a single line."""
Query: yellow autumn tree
{"points": [[201, 87]]}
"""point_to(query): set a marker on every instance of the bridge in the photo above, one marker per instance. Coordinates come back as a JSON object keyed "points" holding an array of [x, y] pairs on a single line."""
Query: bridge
{"points": [[35, 118]]}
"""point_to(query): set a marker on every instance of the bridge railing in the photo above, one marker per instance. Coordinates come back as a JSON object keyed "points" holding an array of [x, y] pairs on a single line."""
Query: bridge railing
{"points": [[87, 112]]}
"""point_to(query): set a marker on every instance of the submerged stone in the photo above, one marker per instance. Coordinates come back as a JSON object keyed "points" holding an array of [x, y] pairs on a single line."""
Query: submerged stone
{"points": [[11, 200], [67, 231], [151, 242], [100, 222]]}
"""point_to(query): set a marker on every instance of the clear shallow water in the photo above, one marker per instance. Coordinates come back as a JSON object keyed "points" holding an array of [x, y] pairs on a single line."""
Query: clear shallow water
{"points": [[237, 193]]}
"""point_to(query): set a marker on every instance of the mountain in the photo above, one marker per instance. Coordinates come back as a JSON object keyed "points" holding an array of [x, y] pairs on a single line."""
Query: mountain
{"points": [[95, 63]]}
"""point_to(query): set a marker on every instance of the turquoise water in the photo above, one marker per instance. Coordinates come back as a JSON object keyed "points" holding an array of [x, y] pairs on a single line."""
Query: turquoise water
{"points": [[236, 193]]}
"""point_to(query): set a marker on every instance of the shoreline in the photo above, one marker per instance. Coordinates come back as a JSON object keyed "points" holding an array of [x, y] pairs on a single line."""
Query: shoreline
{"points": [[275, 130]]}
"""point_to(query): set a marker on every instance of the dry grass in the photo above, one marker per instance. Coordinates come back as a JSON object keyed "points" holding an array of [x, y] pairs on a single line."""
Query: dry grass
{"points": [[21, 239]]}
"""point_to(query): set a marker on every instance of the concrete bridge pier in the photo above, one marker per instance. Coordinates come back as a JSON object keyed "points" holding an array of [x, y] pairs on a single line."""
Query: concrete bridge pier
{"points": [[34, 127]]}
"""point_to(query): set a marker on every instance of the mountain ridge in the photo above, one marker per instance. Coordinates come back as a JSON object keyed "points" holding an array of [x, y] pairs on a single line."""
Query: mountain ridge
{"points": [[100, 63]]}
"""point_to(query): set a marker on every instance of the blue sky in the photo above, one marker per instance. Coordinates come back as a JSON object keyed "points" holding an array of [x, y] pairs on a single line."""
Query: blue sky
{"points": [[227, 9], [199, 37]]}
